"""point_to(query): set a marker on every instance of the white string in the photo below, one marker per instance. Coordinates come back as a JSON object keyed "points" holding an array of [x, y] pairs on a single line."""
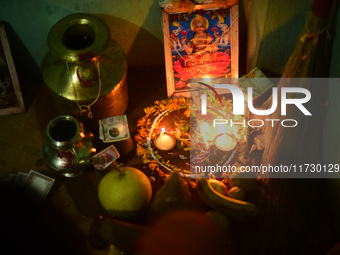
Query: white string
{"points": [[87, 107]]}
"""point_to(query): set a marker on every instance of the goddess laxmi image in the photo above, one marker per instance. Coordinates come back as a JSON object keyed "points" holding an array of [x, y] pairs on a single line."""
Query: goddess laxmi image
{"points": [[202, 47], [201, 42]]}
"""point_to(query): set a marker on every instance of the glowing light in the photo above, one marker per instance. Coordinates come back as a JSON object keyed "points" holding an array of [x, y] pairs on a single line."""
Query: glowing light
{"points": [[225, 142], [207, 79], [121, 128], [75, 77], [165, 142]]}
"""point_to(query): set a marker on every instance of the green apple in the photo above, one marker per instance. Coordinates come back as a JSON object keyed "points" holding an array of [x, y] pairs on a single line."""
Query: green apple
{"points": [[124, 192]]}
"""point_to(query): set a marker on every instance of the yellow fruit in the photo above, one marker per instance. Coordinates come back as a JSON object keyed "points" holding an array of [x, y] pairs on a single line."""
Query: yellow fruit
{"points": [[218, 186], [124, 192], [236, 193]]}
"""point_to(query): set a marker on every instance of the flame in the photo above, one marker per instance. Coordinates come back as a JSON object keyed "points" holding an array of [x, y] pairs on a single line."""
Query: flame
{"points": [[163, 131]]}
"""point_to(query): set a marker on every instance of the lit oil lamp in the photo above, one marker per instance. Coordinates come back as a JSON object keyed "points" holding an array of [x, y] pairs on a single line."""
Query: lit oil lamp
{"points": [[165, 141], [225, 142]]}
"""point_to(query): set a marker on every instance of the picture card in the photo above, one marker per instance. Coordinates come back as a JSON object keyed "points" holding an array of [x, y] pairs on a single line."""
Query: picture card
{"points": [[114, 129], [42, 184]]}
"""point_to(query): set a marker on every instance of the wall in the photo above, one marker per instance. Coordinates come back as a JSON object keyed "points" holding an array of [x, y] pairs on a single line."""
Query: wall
{"points": [[134, 24], [274, 27]]}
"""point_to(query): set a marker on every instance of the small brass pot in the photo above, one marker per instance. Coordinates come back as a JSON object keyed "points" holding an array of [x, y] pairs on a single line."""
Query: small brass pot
{"points": [[68, 146]]}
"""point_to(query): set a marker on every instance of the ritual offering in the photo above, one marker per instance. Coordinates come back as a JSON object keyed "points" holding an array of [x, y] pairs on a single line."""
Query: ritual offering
{"points": [[85, 70], [173, 195], [164, 141], [105, 158], [39, 183], [124, 191], [218, 138], [114, 129], [164, 135], [68, 146], [167, 137]]}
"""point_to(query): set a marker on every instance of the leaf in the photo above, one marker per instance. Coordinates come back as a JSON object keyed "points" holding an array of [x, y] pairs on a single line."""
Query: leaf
{"points": [[153, 165], [253, 147], [138, 138], [187, 113], [179, 144], [141, 122], [145, 161], [140, 150], [149, 110]]}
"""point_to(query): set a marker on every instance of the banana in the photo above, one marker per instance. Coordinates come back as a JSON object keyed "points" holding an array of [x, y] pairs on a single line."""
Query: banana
{"points": [[237, 209]]}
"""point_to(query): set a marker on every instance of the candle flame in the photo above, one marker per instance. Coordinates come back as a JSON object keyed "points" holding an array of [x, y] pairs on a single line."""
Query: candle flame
{"points": [[163, 130]]}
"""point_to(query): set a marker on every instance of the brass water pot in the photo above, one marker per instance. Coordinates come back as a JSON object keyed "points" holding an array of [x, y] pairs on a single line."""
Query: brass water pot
{"points": [[85, 69]]}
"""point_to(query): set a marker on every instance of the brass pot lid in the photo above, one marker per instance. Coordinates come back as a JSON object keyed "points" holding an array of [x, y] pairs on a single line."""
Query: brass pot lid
{"points": [[78, 37]]}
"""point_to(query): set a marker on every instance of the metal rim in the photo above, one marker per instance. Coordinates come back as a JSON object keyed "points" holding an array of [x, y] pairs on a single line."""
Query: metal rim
{"points": [[90, 26], [60, 138]]}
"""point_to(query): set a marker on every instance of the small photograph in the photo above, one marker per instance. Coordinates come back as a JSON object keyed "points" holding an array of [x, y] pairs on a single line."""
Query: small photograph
{"points": [[105, 158], [114, 129]]}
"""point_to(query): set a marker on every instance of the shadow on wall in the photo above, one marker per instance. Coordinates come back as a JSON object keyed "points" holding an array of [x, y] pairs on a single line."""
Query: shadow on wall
{"points": [[277, 46], [279, 40], [141, 47]]}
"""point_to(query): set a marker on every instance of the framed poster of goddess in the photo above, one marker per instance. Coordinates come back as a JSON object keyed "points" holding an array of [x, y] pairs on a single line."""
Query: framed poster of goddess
{"points": [[199, 44], [11, 100]]}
